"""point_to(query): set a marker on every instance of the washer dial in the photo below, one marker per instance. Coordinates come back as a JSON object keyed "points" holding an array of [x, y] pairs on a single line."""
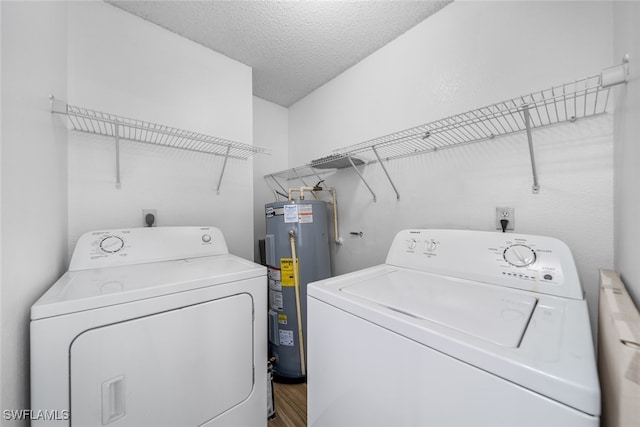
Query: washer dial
{"points": [[519, 255], [111, 244]]}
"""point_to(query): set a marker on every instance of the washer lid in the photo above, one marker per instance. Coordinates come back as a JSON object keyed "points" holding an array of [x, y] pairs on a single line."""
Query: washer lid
{"points": [[101, 287], [495, 315], [554, 358]]}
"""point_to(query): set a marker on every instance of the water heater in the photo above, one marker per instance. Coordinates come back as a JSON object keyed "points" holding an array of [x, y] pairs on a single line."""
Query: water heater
{"points": [[297, 253]]}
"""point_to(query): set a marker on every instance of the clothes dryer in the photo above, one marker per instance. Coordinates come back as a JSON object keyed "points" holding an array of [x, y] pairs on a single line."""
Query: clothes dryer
{"points": [[457, 328], [151, 327]]}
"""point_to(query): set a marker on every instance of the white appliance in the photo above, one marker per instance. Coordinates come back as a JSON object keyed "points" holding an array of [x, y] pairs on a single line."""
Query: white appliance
{"points": [[155, 326], [457, 328]]}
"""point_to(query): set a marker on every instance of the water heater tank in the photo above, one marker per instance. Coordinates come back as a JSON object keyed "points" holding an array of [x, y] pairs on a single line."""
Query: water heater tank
{"points": [[308, 219]]}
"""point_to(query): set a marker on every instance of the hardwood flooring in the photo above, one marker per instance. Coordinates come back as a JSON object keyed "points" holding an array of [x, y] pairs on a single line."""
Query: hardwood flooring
{"points": [[290, 404]]}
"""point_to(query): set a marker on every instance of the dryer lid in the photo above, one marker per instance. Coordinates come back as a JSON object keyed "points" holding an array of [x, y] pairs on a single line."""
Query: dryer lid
{"points": [[496, 315], [90, 289]]}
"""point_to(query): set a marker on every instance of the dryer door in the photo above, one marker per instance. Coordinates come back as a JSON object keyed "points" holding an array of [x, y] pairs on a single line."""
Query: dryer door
{"points": [[178, 368]]}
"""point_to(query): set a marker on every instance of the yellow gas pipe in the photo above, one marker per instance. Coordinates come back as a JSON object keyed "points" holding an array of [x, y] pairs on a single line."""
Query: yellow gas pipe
{"points": [[296, 284]]}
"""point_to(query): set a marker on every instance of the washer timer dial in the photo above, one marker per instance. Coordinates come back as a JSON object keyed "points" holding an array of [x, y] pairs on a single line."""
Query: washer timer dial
{"points": [[111, 244], [519, 255]]}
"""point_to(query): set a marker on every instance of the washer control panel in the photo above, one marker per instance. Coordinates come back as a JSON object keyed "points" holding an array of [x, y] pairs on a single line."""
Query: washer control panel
{"points": [[417, 245], [107, 248], [535, 263], [519, 255]]}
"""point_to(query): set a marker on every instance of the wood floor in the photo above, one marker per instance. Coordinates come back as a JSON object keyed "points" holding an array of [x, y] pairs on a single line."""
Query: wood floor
{"points": [[290, 404]]}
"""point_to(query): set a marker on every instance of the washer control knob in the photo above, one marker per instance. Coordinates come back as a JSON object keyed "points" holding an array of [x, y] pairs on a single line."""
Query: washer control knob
{"points": [[111, 244], [412, 244], [206, 238], [431, 245], [519, 255]]}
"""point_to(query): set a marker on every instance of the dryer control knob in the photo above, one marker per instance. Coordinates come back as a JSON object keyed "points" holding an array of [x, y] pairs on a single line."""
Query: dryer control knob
{"points": [[412, 244], [431, 246], [111, 244]]}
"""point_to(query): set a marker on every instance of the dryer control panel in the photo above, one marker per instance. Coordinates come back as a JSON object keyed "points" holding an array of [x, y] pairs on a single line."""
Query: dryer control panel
{"points": [[533, 263], [109, 248]]}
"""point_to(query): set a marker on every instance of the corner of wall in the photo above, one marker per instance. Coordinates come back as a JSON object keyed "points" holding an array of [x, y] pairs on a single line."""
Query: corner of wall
{"points": [[271, 130], [626, 24], [33, 215]]}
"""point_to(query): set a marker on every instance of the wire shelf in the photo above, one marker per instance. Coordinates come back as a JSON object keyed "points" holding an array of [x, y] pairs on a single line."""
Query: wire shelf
{"points": [[563, 103], [123, 128], [96, 122], [306, 175], [312, 173], [336, 161], [559, 104]]}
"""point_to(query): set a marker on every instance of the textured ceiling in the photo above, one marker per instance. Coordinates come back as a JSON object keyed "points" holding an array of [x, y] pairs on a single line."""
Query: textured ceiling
{"points": [[293, 47]]}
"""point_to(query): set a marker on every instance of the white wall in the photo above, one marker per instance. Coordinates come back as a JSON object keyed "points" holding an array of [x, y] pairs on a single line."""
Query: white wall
{"points": [[1, 334], [123, 65], [468, 55], [627, 157], [33, 195], [270, 130]]}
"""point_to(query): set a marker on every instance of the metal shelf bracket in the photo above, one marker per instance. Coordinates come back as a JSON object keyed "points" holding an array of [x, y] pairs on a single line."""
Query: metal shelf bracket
{"points": [[57, 106], [385, 172], [274, 179], [116, 134], [362, 178], [535, 188], [224, 166]]}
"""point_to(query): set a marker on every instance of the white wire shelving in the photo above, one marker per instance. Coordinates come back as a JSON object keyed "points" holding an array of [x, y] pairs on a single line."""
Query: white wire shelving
{"points": [[310, 174], [307, 175], [567, 102], [123, 128]]}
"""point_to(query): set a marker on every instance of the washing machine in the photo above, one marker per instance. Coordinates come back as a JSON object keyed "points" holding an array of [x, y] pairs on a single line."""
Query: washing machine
{"points": [[456, 328], [156, 326]]}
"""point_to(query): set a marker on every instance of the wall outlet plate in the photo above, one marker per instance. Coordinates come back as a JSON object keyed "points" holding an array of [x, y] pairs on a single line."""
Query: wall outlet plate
{"points": [[508, 214], [145, 212]]}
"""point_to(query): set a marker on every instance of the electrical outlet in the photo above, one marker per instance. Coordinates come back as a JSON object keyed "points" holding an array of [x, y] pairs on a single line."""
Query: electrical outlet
{"points": [[146, 212], [508, 214]]}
